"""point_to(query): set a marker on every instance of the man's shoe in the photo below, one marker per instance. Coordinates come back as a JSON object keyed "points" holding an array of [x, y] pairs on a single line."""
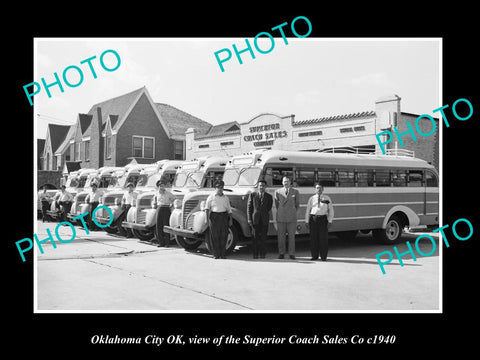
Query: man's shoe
{"points": [[280, 256], [292, 257], [314, 258]]}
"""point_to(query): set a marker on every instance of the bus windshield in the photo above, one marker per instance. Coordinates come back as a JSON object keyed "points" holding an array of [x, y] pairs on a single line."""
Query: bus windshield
{"points": [[72, 182], [149, 180], [241, 176], [193, 179]]}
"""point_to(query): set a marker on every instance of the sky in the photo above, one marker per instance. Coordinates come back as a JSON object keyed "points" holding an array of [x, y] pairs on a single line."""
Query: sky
{"points": [[308, 77]]}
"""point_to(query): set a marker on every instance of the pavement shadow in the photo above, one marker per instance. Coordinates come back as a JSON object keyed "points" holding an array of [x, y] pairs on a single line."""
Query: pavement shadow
{"points": [[360, 250]]}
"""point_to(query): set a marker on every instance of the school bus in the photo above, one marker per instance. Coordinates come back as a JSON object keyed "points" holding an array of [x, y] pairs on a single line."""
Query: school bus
{"points": [[113, 195], [193, 175], [75, 183], [102, 177], [140, 218], [370, 192]]}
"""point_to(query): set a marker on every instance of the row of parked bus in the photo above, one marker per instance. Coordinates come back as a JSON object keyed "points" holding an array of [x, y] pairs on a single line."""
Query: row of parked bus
{"points": [[370, 192]]}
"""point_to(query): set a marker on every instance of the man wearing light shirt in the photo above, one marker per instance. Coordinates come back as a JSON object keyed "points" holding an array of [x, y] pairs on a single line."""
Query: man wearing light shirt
{"points": [[64, 201], [93, 199], [318, 217], [128, 200], [219, 213], [162, 201]]}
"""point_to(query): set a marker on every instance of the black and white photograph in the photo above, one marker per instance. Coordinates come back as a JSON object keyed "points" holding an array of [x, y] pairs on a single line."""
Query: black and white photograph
{"points": [[272, 188], [170, 157]]}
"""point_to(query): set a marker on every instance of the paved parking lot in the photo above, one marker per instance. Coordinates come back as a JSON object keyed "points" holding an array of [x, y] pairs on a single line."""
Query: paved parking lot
{"points": [[108, 273]]}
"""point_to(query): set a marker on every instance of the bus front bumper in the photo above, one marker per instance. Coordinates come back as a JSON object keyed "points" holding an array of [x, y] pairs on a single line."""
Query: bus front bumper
{"points": [[183, 232], [136, 226]]}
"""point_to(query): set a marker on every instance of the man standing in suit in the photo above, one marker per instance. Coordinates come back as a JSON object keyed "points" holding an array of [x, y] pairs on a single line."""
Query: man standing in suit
{"points": [[287, 202], [258, 209]]}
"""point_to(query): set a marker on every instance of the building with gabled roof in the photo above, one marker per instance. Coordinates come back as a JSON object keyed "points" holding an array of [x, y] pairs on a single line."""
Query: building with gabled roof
{"points": [[117, 131]]}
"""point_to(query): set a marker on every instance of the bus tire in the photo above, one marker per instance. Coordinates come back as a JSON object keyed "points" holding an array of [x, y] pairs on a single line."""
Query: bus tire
{"points": [[234, 235], [392, 232], [145, 235], [186, 243], [111, 229], [232, 239]]}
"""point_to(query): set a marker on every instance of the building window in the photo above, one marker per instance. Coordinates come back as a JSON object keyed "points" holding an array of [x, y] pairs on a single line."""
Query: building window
{"points": [[310, 133], [72, 151], [203, 146], [108, 147], [359, 128], [346, 130], [87, 150], [226, 143], [178, 150], [143, 146]]}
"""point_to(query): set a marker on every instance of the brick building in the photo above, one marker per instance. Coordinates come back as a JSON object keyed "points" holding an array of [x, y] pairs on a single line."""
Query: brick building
{"points": [[116, 131], [347, 132]]}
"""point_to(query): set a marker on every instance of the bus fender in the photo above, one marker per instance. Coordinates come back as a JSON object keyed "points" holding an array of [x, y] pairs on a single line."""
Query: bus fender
{"points": [[241, 218], [413, 218]]}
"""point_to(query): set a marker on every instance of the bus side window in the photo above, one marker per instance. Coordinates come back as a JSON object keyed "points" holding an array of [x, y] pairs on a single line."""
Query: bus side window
{"points": [[346, 178], [432, 180], [326, 177], [277, 175], [365, 178], [399, 177], [382, 178], [305, 178], [415, 178]]}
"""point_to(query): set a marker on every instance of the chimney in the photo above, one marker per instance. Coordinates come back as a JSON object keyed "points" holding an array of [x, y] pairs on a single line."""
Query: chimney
{"points": [[101, 151]]}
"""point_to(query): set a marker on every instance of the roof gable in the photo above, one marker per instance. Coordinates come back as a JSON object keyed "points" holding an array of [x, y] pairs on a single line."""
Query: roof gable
{"points": [[119, 106], [56, 135], [179, 121], [84, 120]]}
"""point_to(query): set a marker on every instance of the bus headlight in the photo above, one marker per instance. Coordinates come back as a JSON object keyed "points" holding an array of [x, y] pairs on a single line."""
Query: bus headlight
{"points": [[177, 204], [202, 205], [117, 201]]}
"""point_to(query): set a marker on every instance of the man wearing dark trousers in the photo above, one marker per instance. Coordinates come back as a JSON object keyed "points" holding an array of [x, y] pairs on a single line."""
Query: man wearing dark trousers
{"points": [[219, 213], [128, 200], [258, 209], [162, 201], [319, 217], [93, 198]]}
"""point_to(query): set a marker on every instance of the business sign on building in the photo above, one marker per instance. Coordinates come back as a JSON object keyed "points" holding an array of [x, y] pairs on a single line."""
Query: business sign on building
{"points": [[266, 131]]}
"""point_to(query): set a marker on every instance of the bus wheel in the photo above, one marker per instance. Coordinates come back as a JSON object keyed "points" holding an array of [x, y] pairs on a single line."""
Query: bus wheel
{"points": [[188, 244], [144, 235], [111, 229], [347, 235], [392, 231], [232, 239]]}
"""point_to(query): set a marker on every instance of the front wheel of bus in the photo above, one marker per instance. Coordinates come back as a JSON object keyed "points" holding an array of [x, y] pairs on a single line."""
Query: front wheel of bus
{"points": [[111, 229], [392, 231], [145, 235], [186, 243], [232, 239]]}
